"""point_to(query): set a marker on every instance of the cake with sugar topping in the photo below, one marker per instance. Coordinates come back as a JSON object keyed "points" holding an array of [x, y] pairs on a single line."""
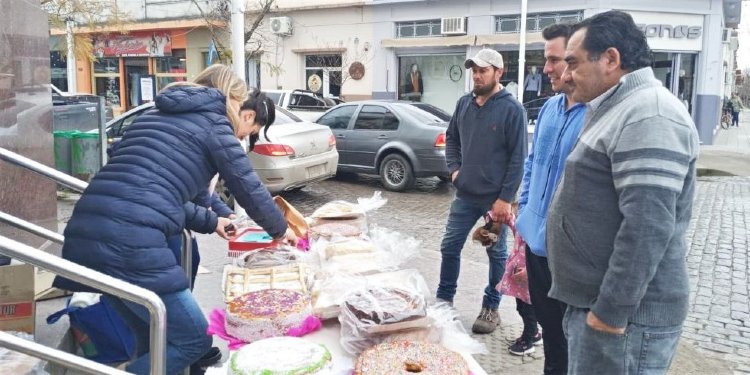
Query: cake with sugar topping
{"points": [[280, 356], [266, 313], [408, 357]]}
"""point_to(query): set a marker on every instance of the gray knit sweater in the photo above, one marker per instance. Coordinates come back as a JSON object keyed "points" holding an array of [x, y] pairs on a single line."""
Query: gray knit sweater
{"points": [[616, 226]]}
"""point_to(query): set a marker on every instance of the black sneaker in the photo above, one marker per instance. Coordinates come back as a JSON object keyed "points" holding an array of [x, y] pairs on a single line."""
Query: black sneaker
{"points": [[211, 358], [521, 347]]}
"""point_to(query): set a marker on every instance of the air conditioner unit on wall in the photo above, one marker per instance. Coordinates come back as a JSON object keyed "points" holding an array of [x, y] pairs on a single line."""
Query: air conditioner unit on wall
{"points": [[453, 26], [281, 25]]}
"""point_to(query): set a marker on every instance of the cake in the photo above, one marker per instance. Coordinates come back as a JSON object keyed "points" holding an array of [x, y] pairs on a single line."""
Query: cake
{"points": [[332, 229], [385, 305], [280, 355], [407, 357], [348, 246], [266, 313]]}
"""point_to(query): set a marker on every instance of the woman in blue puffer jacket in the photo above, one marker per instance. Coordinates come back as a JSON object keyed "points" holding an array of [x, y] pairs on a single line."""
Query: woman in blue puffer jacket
{"points": [[143, 195]]}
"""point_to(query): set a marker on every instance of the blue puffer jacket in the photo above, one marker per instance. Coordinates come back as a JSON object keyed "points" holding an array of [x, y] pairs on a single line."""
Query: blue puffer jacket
{"points": [[143, 195]]}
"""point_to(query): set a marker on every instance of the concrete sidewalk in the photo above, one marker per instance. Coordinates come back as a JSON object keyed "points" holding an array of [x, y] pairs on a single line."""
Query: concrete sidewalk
{"points": [[730, 153]]}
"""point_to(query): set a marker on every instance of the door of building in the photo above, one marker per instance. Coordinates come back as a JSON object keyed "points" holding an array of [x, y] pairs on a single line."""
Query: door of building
{"points": [[135, 67], [682, 82]]}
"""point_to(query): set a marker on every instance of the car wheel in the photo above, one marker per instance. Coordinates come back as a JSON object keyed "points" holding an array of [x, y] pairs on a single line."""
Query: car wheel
{"points": [[224, 193], [396, 173]]}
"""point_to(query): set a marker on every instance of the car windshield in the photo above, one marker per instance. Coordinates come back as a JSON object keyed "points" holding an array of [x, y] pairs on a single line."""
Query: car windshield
{"points": [[275, 96], [424, 113], [285, 117]]}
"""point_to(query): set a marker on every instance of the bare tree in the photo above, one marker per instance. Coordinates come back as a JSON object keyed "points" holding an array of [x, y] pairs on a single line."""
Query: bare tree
{"points": [[92, 13], [218, 18]]}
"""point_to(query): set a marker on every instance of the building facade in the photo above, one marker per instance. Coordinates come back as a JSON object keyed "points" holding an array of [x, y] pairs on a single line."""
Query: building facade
{"points": [[690, 40], [324, 46], [164, 43]]}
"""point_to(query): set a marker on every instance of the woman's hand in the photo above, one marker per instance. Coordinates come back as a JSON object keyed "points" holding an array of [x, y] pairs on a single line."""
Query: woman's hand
{"points": [[290, 237], [224, 228]]}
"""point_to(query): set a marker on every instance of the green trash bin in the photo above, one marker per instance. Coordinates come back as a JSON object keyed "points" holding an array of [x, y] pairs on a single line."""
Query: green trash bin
{"points": [[86, 155], [63, 143]]}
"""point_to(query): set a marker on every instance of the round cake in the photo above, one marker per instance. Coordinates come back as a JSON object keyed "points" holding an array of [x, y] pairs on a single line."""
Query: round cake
{"points": [[280, 355], [408, 357], [266, 313]]}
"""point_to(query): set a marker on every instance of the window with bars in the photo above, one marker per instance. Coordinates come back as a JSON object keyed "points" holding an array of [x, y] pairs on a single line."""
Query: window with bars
{"points": [[534, 22], [418, 29]]}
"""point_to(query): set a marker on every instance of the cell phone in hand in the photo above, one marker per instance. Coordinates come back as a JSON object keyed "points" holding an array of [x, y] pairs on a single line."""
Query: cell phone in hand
{"points": [[230, 229]]}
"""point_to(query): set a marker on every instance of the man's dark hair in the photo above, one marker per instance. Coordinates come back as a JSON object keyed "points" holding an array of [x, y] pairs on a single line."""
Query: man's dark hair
{"points": [[557, 30], [616, 29], [265, 113]]}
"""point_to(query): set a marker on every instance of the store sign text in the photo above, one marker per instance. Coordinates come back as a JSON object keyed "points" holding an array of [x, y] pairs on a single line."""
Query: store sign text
{"points": [[671, 31]]}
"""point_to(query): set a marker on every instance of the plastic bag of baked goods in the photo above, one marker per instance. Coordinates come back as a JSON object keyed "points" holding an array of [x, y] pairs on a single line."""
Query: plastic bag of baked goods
{"points": [[342, 209], [369, 314], [329, 293]]}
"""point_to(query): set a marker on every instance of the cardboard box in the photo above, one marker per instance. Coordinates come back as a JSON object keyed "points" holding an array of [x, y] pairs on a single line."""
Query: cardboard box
{"points": [[17, 306]]}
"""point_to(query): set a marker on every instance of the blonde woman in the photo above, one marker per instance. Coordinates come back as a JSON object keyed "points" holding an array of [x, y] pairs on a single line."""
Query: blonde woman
{"points": [[143, 196]]}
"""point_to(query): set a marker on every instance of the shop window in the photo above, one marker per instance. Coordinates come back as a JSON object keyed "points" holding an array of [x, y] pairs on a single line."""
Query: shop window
{"points": [[170, 69], [375, 117], [418, 29], [323, 74], [107, 80], [535, 22], [434, 79], [58, 70]]}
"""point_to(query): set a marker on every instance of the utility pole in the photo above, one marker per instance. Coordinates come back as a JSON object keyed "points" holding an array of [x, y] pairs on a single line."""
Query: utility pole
{"points": [[522, 50], [71, 60], [238, 38]]}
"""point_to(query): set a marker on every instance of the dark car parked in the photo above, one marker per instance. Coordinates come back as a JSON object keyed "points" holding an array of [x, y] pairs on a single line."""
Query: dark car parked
{"points": [[397, 140]]}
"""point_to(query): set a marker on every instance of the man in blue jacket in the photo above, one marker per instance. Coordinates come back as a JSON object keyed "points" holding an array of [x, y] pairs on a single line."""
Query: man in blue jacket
{"points": [[485, 148], [557, 129]]}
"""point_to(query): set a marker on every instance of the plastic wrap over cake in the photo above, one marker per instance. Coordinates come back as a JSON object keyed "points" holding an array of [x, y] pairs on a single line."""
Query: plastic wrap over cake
{"points": [[281, 355], [369, 314], [266, 313]]}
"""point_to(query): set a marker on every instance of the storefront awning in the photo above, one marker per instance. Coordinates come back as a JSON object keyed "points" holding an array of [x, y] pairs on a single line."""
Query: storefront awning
{"points": [[508, 39], [447, 41]]}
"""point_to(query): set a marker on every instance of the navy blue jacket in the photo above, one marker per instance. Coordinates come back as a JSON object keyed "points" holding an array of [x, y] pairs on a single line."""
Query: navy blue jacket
{"points": [[143, 195], [487, 145]]}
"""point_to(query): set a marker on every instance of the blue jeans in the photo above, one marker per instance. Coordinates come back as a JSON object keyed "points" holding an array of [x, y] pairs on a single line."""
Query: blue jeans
{"points": [[735, 119], [643, 350], [175, 244], [187, 340], [462, 218]]}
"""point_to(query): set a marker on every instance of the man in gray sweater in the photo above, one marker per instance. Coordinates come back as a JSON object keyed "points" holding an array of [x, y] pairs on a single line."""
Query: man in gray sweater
{"points": [[616, 226]]}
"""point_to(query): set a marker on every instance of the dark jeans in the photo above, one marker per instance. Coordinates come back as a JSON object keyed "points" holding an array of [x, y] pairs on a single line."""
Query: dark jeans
{"points": [[461, 220], [549, 313], [187, 340], [526, 311], [175, 244], [642, 350], [735, 119]]}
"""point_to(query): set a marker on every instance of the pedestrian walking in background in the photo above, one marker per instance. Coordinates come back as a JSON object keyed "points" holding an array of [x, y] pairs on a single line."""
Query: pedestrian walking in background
{"points": [[736, 105], [485, 148], [616, 225], [557, 128]]}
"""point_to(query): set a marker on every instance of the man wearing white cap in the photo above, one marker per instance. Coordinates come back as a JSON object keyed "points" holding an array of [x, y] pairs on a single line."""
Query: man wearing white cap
{"points": [[485, 150]]}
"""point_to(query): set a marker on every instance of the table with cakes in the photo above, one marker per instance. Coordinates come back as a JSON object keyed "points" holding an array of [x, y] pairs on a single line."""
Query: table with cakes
{"points": [[341, 302]]}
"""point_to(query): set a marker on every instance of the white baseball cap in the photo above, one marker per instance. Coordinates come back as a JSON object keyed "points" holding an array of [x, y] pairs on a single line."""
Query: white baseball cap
{"points": [[485, 58]]}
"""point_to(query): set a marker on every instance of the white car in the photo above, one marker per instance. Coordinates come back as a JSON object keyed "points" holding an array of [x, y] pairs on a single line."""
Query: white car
{"points": [[296, 153]]}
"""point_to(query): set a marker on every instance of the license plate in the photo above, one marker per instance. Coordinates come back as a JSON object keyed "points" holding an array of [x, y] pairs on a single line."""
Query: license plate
{"points": [[316, 170]]}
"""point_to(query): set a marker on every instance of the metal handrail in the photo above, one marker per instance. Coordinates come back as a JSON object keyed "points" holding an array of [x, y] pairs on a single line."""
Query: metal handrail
{"points": [[57, 356], [106, 284], [31, 227], [59, 177], [81, 274]]}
